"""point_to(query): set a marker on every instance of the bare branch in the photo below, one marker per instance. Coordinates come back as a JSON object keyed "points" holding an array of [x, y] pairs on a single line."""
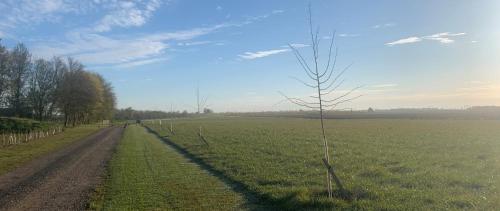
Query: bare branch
{"points": [[300, 102], [303, 82], [330, 57], [335, 79], [342, 96], [303, 63], [330, 72], [334, 88], [332, 106], [314, 96]]}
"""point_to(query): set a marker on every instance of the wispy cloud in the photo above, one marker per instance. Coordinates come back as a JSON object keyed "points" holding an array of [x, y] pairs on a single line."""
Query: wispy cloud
{"points": [[29, 12], [127, 14], [140, 62], [194, 43], [444, 38], [94, 48], [404, 41], [26, 13], [384, 25], [349, 35], [296, 45], [261, 54]]}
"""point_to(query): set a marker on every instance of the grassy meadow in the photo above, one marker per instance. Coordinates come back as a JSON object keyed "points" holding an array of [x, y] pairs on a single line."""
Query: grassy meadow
{"points": [[147, 174], [385, 164]]}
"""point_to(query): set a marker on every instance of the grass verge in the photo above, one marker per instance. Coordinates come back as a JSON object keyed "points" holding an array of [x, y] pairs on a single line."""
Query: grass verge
{"points": [[146, 174]]}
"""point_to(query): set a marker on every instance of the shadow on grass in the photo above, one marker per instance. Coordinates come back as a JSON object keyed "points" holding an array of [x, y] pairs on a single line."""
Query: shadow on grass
{"points": [[297, 200]]}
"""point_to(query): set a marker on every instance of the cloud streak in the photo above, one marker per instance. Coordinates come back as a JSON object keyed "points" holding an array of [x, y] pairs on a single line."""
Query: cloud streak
{"points": [[385, 25], [261, 54], [405, 41], [266, 53], [443, 37]]}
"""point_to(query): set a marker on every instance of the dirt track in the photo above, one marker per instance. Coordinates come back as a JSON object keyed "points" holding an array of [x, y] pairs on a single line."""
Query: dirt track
{"points": [[62, 180]]}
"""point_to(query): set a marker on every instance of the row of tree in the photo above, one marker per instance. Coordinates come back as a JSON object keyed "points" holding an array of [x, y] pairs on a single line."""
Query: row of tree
{"points": [[131, 114], [52, 89]]}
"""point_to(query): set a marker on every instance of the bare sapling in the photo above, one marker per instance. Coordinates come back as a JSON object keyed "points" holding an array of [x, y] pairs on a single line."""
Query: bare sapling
{"points": [[325, 81]]}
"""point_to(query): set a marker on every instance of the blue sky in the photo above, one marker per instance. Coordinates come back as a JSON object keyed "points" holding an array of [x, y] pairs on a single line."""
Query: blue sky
{"points": [[422, 53]]}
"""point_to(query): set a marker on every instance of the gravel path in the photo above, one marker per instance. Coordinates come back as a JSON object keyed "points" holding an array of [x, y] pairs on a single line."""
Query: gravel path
{"points": [[62, 180]]}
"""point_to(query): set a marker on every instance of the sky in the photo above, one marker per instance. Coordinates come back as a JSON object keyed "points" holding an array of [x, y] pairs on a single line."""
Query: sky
{"points": [[404, 54]]}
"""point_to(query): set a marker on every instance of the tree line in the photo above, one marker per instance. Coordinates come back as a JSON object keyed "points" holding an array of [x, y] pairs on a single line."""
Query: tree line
{"points": [[131, 114], [54, 89]]}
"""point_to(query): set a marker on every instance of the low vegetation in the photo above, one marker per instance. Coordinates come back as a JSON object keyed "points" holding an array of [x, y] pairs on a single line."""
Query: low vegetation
{"points": [[147, 174], [22, 125], [385, 164]]}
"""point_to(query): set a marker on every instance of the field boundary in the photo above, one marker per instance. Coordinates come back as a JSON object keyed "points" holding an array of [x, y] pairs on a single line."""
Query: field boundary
{"points": [[253, 198]]}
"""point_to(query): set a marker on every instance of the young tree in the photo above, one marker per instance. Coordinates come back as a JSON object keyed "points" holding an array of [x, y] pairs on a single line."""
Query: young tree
{"points": [[200, 101], [20, 64], [325, 82]]}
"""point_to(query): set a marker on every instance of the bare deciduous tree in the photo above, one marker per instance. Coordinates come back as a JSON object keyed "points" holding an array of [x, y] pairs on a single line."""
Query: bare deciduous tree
{"points": [[325, 82], [200, 101], [20, 64], [41, 87], [4, 62]]}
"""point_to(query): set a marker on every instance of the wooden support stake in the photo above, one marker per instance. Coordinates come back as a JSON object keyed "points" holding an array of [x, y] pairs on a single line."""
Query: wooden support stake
{"points": [[202, 138], [334, 176]]}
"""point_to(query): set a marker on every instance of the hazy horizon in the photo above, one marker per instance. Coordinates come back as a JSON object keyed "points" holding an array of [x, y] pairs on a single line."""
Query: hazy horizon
{"points": [[418, 54]]}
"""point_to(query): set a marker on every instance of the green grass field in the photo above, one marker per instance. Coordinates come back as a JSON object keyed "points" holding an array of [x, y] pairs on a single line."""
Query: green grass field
{"points": [[147, 174], [16, 155], [385, 164]]}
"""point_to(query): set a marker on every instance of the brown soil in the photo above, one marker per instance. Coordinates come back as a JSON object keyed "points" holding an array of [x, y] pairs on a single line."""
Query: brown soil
{"points": [[63, 180]]}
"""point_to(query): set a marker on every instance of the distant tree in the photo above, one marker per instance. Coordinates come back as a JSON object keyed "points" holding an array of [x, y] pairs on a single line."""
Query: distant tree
{"points": [[370, 110], [207, 111], [20, 64], [131, 114], [325, 83]]}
